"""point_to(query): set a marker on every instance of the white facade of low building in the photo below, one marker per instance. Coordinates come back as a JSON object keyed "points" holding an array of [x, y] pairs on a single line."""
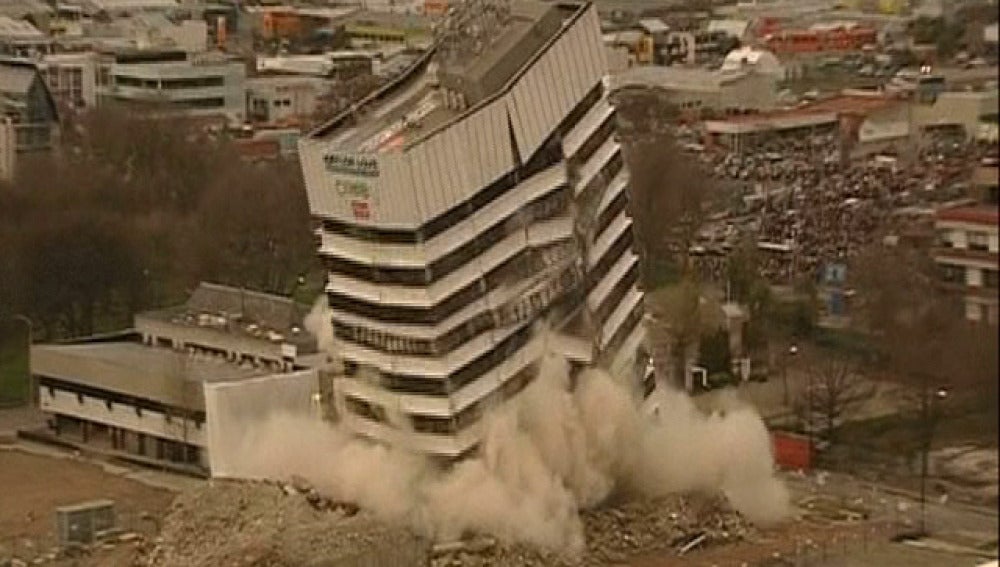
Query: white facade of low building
{"points": [[196, 87]]}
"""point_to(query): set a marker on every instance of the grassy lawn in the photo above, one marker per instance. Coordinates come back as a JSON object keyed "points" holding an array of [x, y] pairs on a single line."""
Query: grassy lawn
{"points": [[14, 383]]}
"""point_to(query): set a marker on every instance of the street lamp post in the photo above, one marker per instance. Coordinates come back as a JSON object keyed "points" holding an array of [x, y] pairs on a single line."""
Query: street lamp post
{"points": [[792, 351], [930, 412]]}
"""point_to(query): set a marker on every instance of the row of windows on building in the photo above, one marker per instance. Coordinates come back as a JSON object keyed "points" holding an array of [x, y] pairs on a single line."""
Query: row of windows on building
{"points": [[972, 276], [978, 241], [169, 84]]}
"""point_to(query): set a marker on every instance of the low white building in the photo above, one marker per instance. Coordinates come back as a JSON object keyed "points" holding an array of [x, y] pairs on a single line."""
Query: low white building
{"points": [[173, 81], [968, 109], [157, 393], [284, 100], [739, 90]]}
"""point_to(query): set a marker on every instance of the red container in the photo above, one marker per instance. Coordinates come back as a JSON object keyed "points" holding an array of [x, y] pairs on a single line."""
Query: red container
{"points": [[791, 451]]}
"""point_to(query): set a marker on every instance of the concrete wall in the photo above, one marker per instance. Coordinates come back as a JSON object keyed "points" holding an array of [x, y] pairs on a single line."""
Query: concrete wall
{"points": [[233, 409]]}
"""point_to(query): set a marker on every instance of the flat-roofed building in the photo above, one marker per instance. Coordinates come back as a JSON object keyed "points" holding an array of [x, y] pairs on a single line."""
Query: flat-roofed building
{"points": [[698, 89], [476, 197], [174, 82], [150, 392]]}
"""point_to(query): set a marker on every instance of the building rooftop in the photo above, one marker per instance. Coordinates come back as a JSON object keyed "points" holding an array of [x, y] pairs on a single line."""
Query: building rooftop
{"points": [[853, 104], [653, 25], [16, 77], [978, 214], [162, 375], [676, 78], [243, 312], [423, 98], [11, 29], [18, 9]]}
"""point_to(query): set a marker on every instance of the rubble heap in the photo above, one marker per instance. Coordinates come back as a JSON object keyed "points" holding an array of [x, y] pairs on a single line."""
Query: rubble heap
{"points": [[674, 524], [242, 524], [290, 524]]}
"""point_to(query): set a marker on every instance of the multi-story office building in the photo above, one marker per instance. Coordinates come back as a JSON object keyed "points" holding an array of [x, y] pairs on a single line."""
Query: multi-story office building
{"points": [[207, 84], [967, 255], [462, 208]]}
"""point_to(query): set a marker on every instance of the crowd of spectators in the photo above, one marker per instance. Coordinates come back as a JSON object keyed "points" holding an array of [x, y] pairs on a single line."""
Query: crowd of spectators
{"points": [[807, 206]]}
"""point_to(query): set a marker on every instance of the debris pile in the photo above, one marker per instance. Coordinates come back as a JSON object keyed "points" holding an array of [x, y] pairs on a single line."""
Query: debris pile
{"points": [[279, 524], [238, 523], [679, 523]]}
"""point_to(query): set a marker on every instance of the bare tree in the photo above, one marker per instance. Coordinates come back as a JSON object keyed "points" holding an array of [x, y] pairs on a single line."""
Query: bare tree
{"points": [[835, 390], [923, 338], [667, 201]]}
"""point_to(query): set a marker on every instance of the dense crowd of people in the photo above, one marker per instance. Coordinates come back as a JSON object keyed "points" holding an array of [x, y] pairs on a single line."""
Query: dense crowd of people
{"points": [[807, 206]]}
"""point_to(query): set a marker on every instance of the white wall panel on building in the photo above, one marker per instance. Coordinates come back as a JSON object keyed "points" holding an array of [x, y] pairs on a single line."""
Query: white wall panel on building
{"points": [[447, 156], [397, 202], [233, 409], [525, 114]]}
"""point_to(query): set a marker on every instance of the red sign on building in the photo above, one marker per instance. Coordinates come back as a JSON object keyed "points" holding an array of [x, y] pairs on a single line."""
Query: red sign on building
{"points": [[362, 210]]}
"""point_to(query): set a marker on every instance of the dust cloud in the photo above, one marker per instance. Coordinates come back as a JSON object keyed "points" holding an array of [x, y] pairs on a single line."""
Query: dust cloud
{"points": [[546, 455]]}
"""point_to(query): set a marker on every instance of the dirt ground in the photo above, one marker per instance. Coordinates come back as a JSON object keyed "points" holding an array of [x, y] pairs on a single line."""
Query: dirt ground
{"points": [[34, 485]]}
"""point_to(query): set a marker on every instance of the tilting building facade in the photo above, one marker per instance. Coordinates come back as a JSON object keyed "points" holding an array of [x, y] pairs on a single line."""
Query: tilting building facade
{"points": [[464, 208]]}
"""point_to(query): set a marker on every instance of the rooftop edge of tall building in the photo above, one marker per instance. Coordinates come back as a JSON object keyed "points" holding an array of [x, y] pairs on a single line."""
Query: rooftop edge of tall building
{"points": [[415, 105]]}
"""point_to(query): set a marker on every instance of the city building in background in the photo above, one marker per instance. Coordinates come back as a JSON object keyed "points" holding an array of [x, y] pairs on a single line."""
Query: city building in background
{"points": [[485, 197], [967, 256], [71, 78], [172, 81], [27, 104]]}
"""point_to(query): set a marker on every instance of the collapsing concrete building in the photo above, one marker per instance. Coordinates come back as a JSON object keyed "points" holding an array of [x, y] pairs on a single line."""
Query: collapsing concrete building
{"points": [[480, 194]]}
